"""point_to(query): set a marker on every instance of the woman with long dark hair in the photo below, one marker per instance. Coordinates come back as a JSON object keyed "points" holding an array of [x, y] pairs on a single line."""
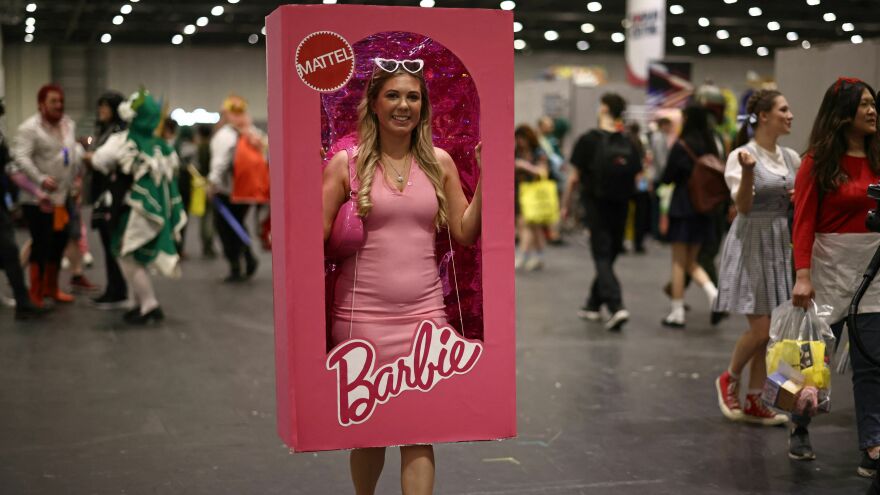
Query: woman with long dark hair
{"points": [[688, 230], [832, 246], [408, 190], [755, 273]]}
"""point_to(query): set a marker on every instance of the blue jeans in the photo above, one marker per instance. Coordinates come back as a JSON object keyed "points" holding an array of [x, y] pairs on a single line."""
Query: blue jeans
{"points": [[866, 380]]}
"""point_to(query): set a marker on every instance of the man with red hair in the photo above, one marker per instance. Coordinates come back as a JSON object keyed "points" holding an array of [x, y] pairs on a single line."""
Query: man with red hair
{"points": [[46, 151]]}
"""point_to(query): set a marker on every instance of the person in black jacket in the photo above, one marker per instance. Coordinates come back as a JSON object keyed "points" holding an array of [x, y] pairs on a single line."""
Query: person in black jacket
{"points": [[9, 261], [606, 164], [108, 194], [688, 230]]}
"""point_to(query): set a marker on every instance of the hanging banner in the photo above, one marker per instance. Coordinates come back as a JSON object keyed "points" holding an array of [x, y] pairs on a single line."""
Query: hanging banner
{"points": [[645, 37], [669, 85]]}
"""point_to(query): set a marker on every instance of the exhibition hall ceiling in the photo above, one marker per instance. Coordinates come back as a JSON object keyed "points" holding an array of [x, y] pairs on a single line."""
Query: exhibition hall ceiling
{"points": [[709, 27]]}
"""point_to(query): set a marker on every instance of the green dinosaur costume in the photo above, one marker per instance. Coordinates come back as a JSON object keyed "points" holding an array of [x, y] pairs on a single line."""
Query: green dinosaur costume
{"points": [[149, 228]]}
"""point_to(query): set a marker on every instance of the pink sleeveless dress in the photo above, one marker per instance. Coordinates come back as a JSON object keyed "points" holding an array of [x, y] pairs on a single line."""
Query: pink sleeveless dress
{"points": [[397, 284]]}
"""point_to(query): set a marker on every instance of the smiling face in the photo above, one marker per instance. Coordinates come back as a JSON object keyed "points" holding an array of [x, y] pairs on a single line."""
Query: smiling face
{"points": [[865, 119], [778, 120], [398, 105]]}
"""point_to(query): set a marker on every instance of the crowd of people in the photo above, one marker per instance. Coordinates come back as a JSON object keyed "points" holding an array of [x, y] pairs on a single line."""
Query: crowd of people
{"points": [[788, 228], [141, 174]]}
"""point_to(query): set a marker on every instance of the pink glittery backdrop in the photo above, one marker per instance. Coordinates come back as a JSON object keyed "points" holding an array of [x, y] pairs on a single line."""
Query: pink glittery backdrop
{"points": [[455, 106]]}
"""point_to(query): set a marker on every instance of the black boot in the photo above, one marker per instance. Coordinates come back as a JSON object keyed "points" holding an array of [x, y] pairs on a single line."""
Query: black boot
{"points": [[26, 310]]}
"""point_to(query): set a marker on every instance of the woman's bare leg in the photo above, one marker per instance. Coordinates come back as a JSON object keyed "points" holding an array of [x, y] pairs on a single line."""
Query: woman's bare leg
{"points": [[366, 467], [417, 470]]}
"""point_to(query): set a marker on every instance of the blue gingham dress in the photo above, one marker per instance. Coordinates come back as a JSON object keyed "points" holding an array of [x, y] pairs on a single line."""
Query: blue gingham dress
{"points": [[755, 274]]}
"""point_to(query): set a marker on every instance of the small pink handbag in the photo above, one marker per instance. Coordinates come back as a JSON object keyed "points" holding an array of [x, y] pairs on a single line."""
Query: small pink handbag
{"points": [[347, 234]]}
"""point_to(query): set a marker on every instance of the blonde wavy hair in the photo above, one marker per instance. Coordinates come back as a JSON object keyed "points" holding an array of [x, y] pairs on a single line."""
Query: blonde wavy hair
{"points": [[422, 145]]}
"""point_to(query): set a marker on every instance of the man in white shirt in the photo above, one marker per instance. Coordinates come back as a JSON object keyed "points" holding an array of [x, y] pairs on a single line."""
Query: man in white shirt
{"points": [[220, 178], [46, 151]]}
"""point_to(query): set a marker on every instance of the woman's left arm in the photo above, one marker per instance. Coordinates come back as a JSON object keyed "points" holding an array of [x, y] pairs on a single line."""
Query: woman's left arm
{"points": [[465, 220]]}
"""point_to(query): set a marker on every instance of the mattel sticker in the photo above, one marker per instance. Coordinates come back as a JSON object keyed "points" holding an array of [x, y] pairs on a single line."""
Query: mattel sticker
{"points": [[324, 61]]}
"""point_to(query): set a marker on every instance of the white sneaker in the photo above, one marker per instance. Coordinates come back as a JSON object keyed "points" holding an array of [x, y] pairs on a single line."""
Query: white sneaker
{"points": [[533, 264], [617, 320], [518, 262], [589, 315]]}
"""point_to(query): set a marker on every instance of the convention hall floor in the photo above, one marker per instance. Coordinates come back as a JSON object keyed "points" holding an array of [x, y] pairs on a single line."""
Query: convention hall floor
{"points": [[89, 406]]}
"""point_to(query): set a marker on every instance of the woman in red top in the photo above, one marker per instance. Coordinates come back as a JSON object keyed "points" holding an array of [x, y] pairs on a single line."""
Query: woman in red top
{"points": [[832, 246]]}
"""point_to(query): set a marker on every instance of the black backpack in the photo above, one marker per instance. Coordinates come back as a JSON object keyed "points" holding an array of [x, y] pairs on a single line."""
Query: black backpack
{"points": [[614, 167]]}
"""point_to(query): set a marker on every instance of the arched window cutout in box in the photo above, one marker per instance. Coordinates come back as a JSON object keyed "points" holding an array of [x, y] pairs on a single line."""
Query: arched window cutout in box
{"points": [[455, 106]]}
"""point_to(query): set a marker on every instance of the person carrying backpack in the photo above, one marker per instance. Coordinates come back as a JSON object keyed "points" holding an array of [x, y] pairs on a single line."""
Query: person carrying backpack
{"points": [[606, 164], [239, 178]]}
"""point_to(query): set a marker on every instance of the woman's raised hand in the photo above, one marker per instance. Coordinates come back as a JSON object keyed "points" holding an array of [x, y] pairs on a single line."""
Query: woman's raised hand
{"points": [[746, 160]]}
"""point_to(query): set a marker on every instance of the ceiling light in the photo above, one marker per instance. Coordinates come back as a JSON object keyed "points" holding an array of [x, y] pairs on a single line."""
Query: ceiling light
{"points": [[813, 3], [426, 3], [676, 9], [678, 41], [519, 44], [551, 35], [176, 39], [583, 45], [263, 30], [31, 7], [763, 51], [829, 17], [755, 11], [28, 38], [806, 44], [722, 34], [189, 29], [517, 27], [617, 37], [856, 39], [118, 19], [847, 26], [30, 21], [727, 2], [745, 41], [218, 10], [791, 36], [125, 9], [329, 2], [594, 6], [253, 39], [703, 21], [134, 1], [202, 21], [105, 38], [704, 49], [232, 1], [773, 26], [30, 29], [587, 28], [508, 5]]}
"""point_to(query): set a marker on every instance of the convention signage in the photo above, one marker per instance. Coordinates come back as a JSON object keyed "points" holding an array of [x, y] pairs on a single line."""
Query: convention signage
{"points": [[645, 37], [452, 378]]}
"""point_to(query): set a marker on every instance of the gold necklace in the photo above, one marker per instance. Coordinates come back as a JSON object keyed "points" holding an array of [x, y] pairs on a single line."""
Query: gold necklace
{"points": [[390, 164]]}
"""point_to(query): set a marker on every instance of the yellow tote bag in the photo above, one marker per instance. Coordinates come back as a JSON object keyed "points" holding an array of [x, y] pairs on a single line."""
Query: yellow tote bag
{"points": [[539, 202]]}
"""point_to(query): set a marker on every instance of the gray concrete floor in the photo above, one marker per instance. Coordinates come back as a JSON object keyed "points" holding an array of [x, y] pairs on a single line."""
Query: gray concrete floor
{"points": [[90, 406]]}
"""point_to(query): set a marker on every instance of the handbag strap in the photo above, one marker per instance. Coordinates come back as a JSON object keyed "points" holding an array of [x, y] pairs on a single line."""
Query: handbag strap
{"points": [[352, 173], [687, 149]]}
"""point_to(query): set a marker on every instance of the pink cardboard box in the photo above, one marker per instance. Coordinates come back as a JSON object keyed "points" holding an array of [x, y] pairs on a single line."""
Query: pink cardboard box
{"points": [[450, 388]]}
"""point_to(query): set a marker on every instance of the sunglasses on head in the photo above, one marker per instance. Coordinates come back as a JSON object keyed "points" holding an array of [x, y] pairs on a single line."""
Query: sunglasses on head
{"points": [[391, 65]]}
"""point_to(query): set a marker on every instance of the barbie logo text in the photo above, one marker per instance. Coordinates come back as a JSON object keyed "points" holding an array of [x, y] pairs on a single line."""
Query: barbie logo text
{"points": [[436, 354]]}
